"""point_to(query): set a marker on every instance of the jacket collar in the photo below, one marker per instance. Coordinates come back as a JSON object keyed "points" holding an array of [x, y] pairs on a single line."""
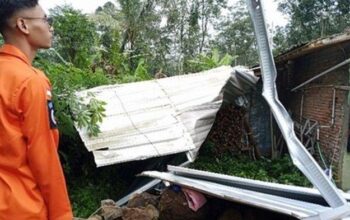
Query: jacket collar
{"points": [[11, 50]]}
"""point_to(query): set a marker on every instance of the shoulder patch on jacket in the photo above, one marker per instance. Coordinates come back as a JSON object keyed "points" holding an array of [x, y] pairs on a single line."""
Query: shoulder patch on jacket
{"points": [[51, 110]]}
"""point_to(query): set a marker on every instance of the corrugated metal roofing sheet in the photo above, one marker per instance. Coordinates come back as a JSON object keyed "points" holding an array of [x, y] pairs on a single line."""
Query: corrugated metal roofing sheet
{"points": [[161, 117], [280, 204], [308, 47], [304, 48], [288, 191]]}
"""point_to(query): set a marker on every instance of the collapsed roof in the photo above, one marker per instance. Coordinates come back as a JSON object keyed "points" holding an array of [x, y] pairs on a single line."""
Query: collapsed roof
{"points": [[163, 116]]}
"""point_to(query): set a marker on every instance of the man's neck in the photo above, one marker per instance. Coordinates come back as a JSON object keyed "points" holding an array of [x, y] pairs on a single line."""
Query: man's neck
{"points": [[24, 47]]}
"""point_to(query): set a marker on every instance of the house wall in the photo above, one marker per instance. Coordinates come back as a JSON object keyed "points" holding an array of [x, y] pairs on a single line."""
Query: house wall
{"points": [[315, 101]]}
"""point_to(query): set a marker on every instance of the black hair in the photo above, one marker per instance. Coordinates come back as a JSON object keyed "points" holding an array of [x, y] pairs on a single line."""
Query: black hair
{"points": [[9, 7]]}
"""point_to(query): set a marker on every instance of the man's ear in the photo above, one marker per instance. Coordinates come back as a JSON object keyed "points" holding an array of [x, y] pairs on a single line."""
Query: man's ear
{"points": [[22, 26]]}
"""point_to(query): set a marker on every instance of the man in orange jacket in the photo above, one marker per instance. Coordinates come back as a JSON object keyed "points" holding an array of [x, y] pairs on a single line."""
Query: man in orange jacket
{"points": [[32, 184]]}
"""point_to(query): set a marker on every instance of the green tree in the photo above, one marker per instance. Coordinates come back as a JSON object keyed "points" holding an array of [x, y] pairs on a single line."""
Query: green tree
{"points": [[136, 32], [107, 21], [185, 31], [311, 19], [175, 14], [209, 61], [209, 12], [164, 34], [202, 15], [280, 40], [130, 15], [236, 36], [191, 44], [75, 36], [149, 46]]}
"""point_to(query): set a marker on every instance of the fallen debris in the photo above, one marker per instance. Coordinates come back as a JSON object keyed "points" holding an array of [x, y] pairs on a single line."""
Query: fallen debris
{"points": [[109, 210], [172, 204], [232, 133], [142, 200], [143, 213]]}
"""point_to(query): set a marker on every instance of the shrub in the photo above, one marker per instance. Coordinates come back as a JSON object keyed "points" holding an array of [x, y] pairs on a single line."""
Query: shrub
{"points": [[278, 171], [66, 80]]}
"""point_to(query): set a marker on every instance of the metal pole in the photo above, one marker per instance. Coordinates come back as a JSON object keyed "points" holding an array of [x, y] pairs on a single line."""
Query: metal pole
{"points": [[300, 156], [333, 108]]}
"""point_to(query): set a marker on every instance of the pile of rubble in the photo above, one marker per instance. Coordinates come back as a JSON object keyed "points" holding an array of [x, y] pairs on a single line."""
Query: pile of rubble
{"points": [[231, 132], [175, 203]]}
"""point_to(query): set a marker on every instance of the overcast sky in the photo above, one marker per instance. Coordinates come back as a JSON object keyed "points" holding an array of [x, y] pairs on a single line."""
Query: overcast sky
{"points": [[273, 17]]}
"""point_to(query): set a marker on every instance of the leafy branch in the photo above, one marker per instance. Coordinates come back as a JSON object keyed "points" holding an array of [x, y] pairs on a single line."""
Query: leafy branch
{"points": [[88, 115]]}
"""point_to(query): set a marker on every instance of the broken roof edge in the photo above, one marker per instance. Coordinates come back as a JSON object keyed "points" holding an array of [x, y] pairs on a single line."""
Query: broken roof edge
{"points": [[313, 45], [241, 182], [306, 48]]}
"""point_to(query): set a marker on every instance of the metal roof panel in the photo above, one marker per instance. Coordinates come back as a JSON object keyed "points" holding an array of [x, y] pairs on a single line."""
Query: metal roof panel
{"points": [[164, 116]]}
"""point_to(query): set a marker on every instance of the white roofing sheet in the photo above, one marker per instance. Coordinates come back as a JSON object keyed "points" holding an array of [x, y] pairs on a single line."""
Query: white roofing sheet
{"points": [[291, 207], [164, 116]]}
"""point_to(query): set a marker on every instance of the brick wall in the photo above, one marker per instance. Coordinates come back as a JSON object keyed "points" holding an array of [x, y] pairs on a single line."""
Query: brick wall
{"points": [[318, 98]]}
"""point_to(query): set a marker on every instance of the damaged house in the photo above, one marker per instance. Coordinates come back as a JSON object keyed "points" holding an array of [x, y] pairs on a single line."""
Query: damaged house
{"points": [[313, 84], [167, 116], [319, 108]]}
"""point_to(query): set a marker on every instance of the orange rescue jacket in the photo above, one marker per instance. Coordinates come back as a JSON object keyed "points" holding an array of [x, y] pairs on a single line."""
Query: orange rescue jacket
{"points": [[32, 184]]}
